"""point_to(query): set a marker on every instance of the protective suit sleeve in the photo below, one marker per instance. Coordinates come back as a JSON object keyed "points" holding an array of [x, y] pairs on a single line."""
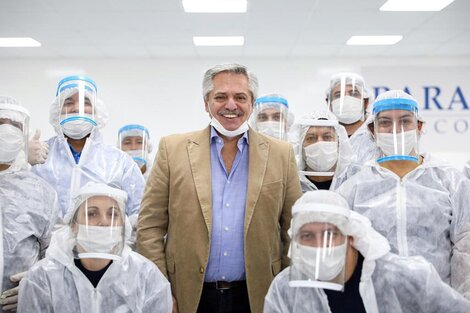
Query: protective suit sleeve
{"points": [[466, 170], [440, 296], [274, 301], [152, 223], [293, 192], [133, 183], [52, 207], [34, 293], [158, 297], [460, 237]]}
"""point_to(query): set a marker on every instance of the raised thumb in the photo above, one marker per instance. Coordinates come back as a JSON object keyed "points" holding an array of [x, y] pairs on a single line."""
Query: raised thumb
{"points": [[37, 135]]}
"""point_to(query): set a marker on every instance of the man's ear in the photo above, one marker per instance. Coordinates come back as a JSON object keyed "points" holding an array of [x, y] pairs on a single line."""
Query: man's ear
{"points": [[370, 127], [350, 240], [366, 104], [420, 125]]}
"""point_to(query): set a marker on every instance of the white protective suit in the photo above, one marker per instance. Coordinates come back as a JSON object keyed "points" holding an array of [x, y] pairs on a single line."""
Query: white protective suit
{"points": [[99, 163], [425, 213], [345, 154], [55, 284], [389, 283], [363, 144], [29, 210], [466, 169]]}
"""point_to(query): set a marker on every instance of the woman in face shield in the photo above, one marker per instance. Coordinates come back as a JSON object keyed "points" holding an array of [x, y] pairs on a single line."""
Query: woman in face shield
{"points": [[322, 150], [418, 202], [89, 264], [271, 116], [341, 264], [134, 140], [78, 154], [28, 205]]}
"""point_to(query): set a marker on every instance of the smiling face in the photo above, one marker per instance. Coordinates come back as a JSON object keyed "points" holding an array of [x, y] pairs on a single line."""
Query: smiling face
{"points": [[230, 100]]}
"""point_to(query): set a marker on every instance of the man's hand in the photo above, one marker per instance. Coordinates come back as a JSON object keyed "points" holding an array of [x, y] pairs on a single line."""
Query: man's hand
{"points": [[9, 298], [37, 150]]}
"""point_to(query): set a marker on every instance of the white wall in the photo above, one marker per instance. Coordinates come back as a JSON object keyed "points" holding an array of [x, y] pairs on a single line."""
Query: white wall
{"points": [[165, 94]]}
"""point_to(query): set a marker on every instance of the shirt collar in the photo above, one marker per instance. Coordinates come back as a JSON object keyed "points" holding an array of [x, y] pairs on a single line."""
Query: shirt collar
{"points": [[243, 139]]}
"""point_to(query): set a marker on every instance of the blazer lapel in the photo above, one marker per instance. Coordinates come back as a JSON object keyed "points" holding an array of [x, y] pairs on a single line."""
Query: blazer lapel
{"points": [[257, 162], [199, 157]]}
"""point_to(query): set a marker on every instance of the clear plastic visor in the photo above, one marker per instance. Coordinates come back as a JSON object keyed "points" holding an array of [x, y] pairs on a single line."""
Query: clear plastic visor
{"points": [[346, 97], [135, 143], [99, 227], [318, 254], [77, 100], [396, 135], [271, 119], [14, 131]]}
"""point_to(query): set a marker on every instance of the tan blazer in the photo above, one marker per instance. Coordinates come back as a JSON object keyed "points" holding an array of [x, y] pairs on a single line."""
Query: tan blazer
{"points": [[178, 202]]}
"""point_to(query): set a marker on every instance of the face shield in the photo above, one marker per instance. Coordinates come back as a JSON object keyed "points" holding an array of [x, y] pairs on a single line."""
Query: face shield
{"points": [[99, 222], [134, 140], [318, 248], [320, 148], [77, 106], [271, 116], [396, 129], [346, 97], [14, 122]]}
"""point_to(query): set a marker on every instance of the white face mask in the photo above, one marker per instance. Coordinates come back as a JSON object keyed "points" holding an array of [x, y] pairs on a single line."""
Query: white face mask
{"points": [[11, 143], [406, 141], [323, 264], [271, 128], [321, 156], [351, 111], [78, 129], [137, 156], [99, 239], [229, 133]]}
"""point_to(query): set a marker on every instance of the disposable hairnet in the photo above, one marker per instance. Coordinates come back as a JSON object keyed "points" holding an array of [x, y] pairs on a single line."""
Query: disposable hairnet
{"points": [[425, 213], [393, 94], [335, 79], [300, 128], [101, 115], [95, 189], [11, 109]]}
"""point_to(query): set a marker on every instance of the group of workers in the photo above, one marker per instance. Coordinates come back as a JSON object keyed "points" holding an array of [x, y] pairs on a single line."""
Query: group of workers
{"points": [[335, 211]]}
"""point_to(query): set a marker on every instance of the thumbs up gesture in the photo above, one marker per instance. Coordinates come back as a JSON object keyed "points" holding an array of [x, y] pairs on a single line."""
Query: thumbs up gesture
{"points": [[37, 150]]}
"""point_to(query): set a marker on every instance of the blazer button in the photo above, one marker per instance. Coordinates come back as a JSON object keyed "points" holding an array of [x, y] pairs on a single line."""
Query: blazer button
{"points": [[201, 270]]}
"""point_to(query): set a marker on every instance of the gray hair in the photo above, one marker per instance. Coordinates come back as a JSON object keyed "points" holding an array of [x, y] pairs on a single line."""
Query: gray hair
{"points": [[208, 86]]}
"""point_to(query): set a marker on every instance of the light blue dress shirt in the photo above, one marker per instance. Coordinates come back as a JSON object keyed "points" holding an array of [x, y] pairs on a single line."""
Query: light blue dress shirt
{"points": [[226, 258]]}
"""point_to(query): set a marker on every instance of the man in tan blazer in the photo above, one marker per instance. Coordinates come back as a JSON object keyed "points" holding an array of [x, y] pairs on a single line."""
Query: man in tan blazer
{"points": [[223, 197]]}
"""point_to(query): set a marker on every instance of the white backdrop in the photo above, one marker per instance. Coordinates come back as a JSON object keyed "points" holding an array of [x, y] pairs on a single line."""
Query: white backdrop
{"points": [[165, 94]]}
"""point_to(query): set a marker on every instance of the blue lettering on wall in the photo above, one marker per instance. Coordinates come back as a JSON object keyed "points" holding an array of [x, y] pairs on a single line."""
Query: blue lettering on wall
{"points": [[431, 93], [458, 97]]}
